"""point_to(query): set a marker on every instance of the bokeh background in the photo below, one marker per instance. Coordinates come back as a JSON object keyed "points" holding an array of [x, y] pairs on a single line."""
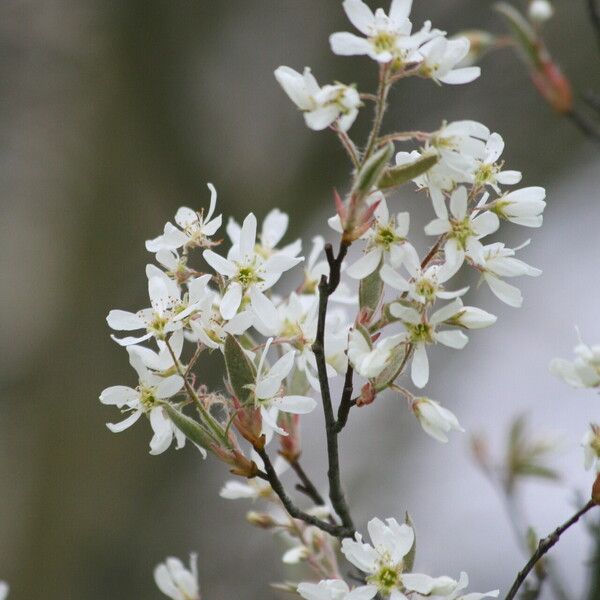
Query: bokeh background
{"points": [[113, 114]]}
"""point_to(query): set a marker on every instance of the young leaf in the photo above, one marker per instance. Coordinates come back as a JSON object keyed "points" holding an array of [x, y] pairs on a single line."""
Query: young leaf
{"points": [[369, 174], [190, 428], [392, 370], [240, 369], [395, 176], [370, 292]]}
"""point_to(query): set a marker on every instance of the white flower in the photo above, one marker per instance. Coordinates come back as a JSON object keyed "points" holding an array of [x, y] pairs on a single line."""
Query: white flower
{"points": [[387, 36], [523, 207], [591, 448], [167, 310], [384, 560], [274, 227], [146, 399], [248, 273], [540, 11], [459, 145], [499, 262], [584, 371], [441, 56], [462, 231], [196, 228], [421, 331], [335, 589], [368, 360], [321, 106], [489, 172], [176, 581], [268, 391], [435, 420], [385, 238], [4, 589], [425, 285]]}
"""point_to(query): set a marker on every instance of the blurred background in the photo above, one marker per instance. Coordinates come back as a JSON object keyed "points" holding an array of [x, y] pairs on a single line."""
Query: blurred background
{"points": [[113, 114]]}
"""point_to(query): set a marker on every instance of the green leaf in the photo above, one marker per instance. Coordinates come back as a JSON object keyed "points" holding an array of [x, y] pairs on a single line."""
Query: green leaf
{"points": [[392, 370], [370, 172], [190, 428], [523, 32], [409, 559], [240, 369], [370, 291], [395, 176]]}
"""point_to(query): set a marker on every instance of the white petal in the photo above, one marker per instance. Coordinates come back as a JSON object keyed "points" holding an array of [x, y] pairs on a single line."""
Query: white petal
{"points": [[359, 14], [509, 294], [119, 395], [365, 265], [123, 425], [169, 387], [348, 44], [299, 405], [419, 370], [219, 264], [248, 236], [231, 300], [462, 75], [263, 307], [453, 339], [123, 320]]}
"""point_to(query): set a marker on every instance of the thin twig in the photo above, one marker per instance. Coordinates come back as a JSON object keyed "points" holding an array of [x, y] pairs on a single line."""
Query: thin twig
{"points": [[307, 486], [339, 531], [543, 547], [346, 402], [327, 286], [594, 10], [587, 126]]}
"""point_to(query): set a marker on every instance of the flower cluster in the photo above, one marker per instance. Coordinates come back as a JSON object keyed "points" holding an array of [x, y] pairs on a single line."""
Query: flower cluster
{"points": [[283, 352]]}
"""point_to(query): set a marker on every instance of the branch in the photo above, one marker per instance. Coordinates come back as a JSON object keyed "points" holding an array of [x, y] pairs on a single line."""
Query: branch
{"points": [[338, 531], [587, 126], [327, 286], [346, 403], [594, 10], [544, 546], [307, 486]]}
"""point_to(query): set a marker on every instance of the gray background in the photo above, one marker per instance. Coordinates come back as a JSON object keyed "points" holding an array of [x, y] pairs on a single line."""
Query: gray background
{"points": [[115, 113]]}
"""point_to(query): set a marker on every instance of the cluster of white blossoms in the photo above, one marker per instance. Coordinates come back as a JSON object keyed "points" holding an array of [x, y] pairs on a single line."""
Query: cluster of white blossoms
{"points": [[583, 372], [283, 352]]}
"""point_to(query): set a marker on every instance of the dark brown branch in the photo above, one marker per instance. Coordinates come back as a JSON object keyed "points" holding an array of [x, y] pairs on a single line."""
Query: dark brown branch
{"points": [[338, 531], [346, 402], [594, 10], [587, 126], [543, 547], [306, 486], [327, 286]]}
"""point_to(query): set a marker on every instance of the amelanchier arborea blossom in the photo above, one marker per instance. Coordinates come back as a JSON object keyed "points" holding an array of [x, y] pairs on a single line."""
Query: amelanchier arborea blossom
{"points": [[356, 321]]}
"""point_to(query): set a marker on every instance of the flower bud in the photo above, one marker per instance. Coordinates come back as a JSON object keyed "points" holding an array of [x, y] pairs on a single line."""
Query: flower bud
{"points": [[434, 418], [290, 443], [540, 11], [471, 317], [262, 520]]}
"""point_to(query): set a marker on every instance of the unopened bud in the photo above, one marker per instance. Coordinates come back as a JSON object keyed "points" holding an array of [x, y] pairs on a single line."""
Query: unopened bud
{"points": [[262, 520], [553, 86], [540, 11]]}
